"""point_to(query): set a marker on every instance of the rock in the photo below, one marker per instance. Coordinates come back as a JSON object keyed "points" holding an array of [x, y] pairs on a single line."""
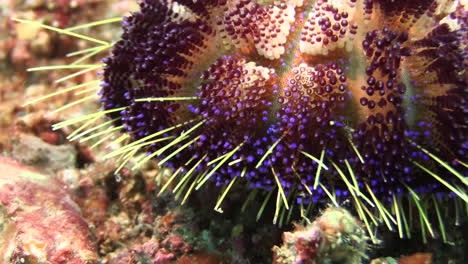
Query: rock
{"points": [[39, 222], [387, 260], [34, 151], [417, 258], [334, 237]]}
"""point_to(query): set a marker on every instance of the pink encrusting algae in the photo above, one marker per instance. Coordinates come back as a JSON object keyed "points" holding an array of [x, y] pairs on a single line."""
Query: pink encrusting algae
{"points": [[42, 223]]}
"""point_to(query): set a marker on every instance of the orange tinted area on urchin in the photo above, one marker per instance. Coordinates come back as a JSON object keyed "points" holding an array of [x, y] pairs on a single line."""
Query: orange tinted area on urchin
{"points": [[308, 100]]}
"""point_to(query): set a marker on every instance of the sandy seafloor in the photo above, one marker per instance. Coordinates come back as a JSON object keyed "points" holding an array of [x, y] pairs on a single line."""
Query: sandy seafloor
{"points": [[72, 209]]}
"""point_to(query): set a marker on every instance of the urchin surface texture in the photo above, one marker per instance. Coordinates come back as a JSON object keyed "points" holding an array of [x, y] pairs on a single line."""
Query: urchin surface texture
{"points": [[311, 101]]}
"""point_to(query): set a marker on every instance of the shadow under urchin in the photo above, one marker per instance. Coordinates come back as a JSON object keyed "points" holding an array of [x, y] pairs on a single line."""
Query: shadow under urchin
{"points": [[305, 102]]}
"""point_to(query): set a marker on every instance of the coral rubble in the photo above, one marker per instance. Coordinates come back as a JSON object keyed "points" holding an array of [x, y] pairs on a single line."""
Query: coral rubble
{"points": [[334, 237]]}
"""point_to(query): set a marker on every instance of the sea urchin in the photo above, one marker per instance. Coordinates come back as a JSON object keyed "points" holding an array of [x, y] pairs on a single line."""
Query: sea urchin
{"points": [[312, 101]]}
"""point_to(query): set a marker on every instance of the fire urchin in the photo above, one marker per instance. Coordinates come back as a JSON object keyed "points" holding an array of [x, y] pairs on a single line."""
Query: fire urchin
{"points": [[312, 101]]}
